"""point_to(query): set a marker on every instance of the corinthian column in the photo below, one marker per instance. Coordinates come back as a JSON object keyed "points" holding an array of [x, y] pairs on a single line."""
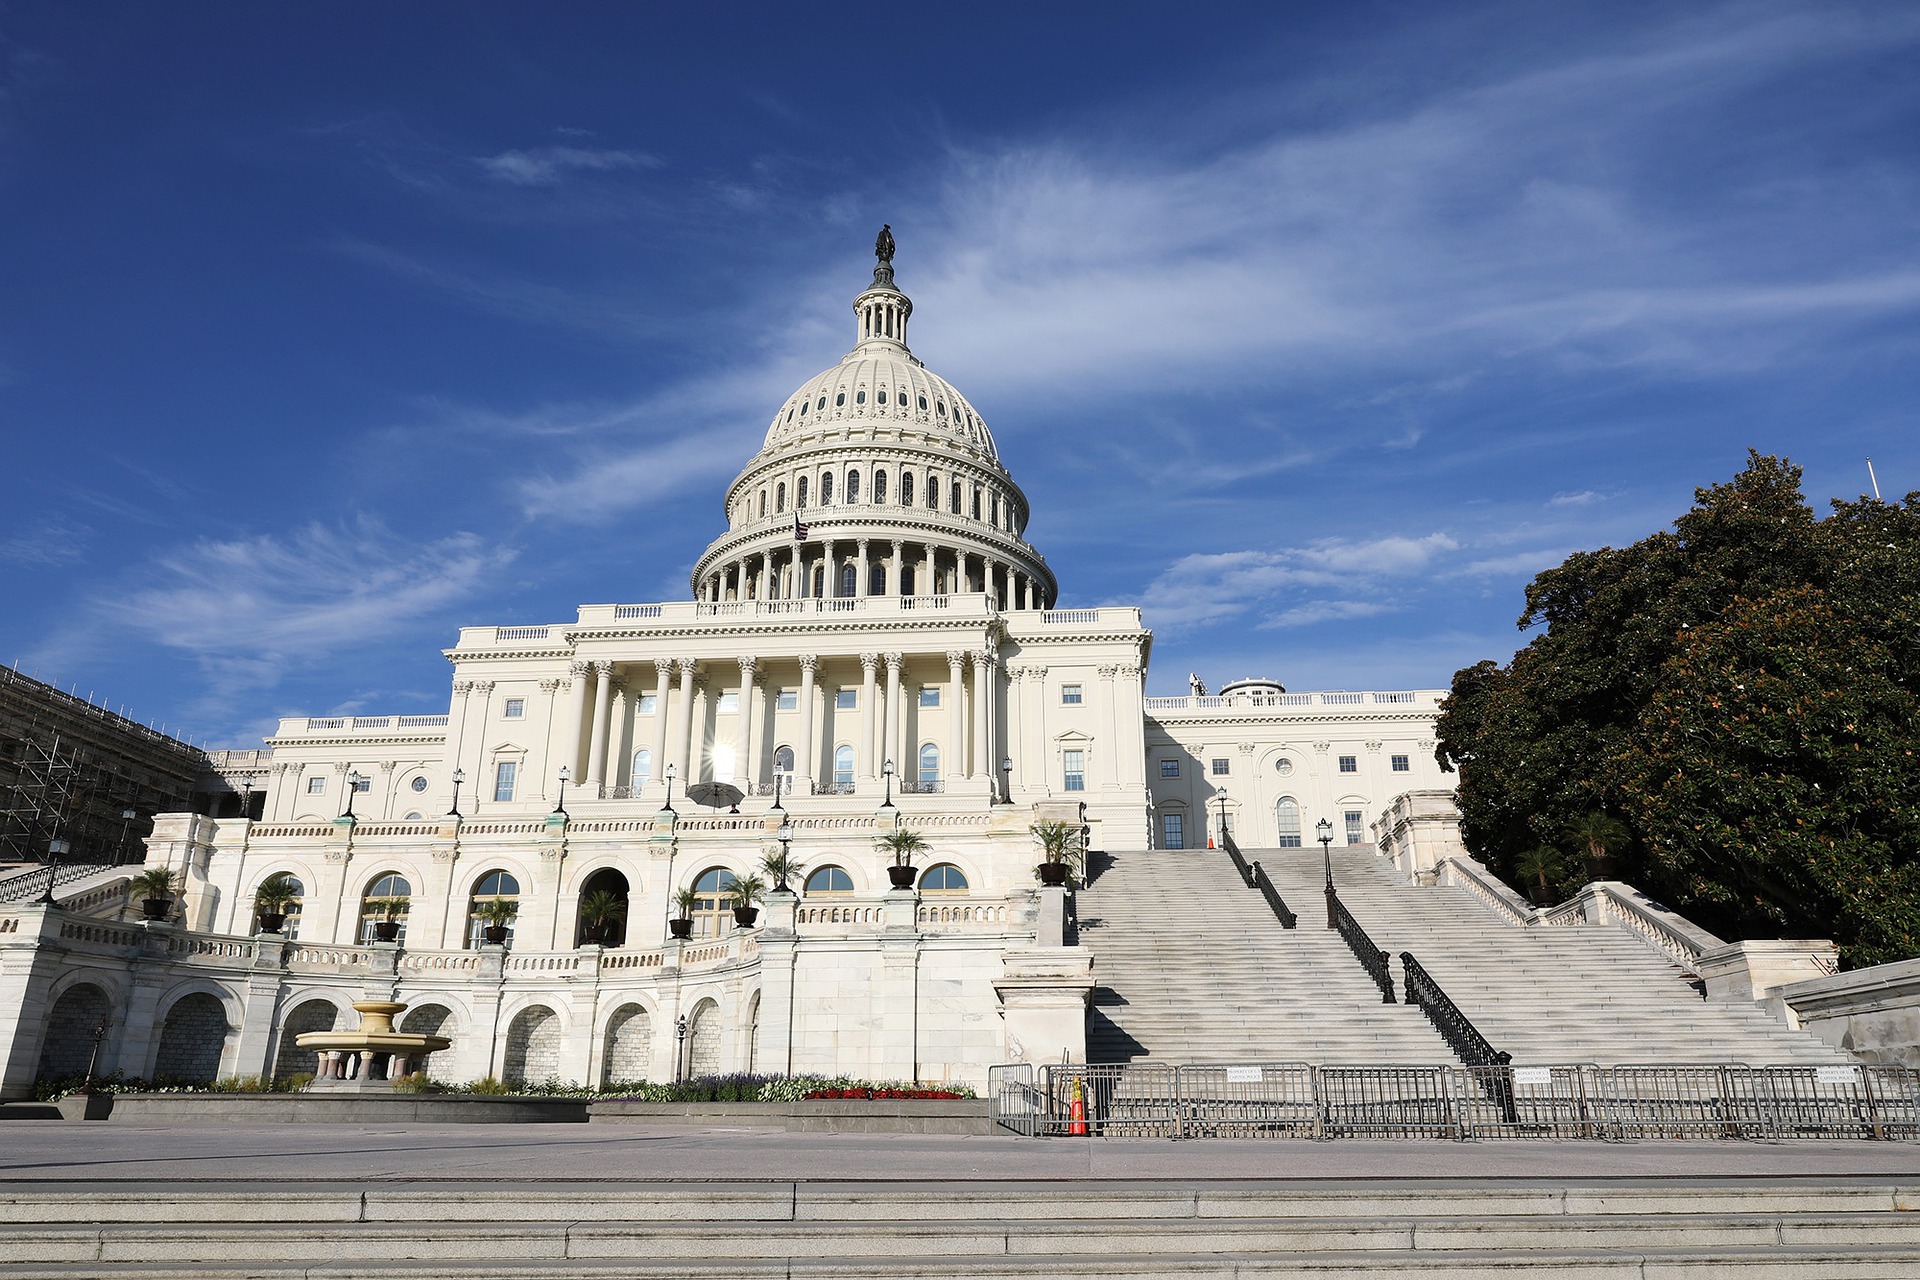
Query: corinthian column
{"points": [[597, 745], [747, 767], [803, 758], [956, 716], [683, 720], [896, 715], [985, 694], [576, 718], [869, 714], [662, 674]]}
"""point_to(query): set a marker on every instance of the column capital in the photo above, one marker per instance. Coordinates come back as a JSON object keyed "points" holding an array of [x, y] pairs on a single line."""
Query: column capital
{"points": [[387, 766], [956, 658], [894, 660], [483, 687], [662, 668], [603, 668], [463, 687], [809, 662], [687, 667], [551, 685], [748, 666], [869, 662], [986, 658], [578, 668], [1108, 673]]}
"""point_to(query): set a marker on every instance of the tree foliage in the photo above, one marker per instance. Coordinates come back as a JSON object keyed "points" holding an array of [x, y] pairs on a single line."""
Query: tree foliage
{"points": [[1723, 714]]}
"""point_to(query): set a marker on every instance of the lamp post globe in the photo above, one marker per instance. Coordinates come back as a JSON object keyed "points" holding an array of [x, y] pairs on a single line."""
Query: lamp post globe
{"points": [[886, 771], [459, 776], [353, 789], [565, 774]]}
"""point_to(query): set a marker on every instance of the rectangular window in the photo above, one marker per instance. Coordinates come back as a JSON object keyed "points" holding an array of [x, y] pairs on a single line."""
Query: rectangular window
{"points": [[1402, 765], [1349, 764], [929, 697], [1169, 768], [649, 703], [1074, 766], [515, 709], [503, 774], [1221, 768], [1070, 695], [1356, 833], [1173, 830], [365, 784], [316, 786], [730, 700], [788, 700], [846, 699]]}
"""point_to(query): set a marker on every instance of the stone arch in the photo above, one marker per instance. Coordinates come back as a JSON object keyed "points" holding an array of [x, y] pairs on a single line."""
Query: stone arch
{"points": [[192, 1039], [309, 1015], [426, 1020], [67, 1045], [533, 1047], [753, 1031], [629, 1045], [703, 1039]]}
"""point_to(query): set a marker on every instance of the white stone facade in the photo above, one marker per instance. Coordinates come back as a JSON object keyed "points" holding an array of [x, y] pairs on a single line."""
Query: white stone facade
{"points": [[902, 664]]}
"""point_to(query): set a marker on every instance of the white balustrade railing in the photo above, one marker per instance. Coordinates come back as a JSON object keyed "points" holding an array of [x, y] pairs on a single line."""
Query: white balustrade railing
{"points": [[521, 633], [1494, 895], [1245, 701]]}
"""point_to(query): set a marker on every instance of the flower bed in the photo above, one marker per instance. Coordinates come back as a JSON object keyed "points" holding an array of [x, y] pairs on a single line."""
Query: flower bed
{"points": [[883, 1092]]}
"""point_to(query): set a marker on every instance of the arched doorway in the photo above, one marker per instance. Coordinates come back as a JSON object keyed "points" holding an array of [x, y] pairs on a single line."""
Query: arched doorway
{"points": [[68, 1044], [604, 885], [192, 1039], [703, 1040], [629, 1049], [308, 1015], [533, 1047]]}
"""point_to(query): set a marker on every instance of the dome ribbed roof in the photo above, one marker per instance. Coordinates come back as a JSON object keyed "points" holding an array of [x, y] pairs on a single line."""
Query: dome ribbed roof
{"points": [[880, 389]]}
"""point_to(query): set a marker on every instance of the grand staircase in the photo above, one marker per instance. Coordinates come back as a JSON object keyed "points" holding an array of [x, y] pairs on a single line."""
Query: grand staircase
{"points": [[1192, 967]]}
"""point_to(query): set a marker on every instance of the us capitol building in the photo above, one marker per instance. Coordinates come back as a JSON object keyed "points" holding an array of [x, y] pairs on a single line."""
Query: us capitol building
{"points": [[871, 643]]}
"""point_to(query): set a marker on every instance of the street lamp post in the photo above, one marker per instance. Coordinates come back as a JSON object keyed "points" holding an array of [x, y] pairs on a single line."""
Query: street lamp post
{"points": [[1324, 830], [56, 850], [680, 1051], [1006, 779], [353, 788], [668, 806], [1221, 795], [785, 836], [246, 796], [459, 776], [886, 771], [560, 807], [126, 825], [777, 785]]}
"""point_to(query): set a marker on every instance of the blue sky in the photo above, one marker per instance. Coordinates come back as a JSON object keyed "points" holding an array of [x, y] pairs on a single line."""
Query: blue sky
{"points": [[1315, 329]]}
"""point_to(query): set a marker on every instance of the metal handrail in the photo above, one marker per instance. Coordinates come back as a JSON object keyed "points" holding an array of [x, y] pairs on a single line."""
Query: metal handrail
{"points": [[1239, 861], [1453, 1025], [1260, 881], [1371, 958]]}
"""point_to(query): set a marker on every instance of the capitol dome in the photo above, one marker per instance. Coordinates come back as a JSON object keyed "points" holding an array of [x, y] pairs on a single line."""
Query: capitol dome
{"points": [[876, 478]]}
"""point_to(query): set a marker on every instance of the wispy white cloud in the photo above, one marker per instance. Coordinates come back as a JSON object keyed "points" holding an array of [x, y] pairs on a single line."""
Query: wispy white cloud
{"points": [[546, 166], [1327, 579], [1576, 498], [52, 542]]}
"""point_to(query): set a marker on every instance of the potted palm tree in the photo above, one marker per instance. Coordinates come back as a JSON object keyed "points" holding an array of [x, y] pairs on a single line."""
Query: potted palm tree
{"points": [[496, 914], [686, 902], [782, 867], [387, 913], [748, 893], [1059, 842], [271, 900], [155, 887], [601, 911], [902, 843]]}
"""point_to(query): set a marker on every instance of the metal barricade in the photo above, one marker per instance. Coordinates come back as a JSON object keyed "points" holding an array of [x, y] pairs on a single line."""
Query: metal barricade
{"points": [[1013, 1101], [1249, 1100], [1813, 1102], [1679, 1101], [1388, 1102], [1526, 1102], [1139, 1101], [1893, 1095]]}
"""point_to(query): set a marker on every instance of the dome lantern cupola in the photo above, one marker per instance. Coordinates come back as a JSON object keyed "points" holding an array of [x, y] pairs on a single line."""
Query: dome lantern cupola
{"points": [[882, 309]]}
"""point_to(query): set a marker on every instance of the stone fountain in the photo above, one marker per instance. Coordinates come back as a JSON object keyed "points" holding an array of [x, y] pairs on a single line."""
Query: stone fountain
{"points": [[371, 1057]]}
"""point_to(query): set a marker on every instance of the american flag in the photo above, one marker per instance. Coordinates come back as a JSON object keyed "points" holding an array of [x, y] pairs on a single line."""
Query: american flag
{"points": [[799, 530]]}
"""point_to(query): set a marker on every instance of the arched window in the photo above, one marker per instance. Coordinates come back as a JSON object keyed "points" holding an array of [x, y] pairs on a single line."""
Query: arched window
{"points": [[713, 913], [879, 487], [945, 878], [605, 889], [829, 880], [877, 580], [853, 487], [642, 767], [800, 494], [933, 492], [840, 400], [803, 408], [783, 760], [976, 502], [826, 489], [763, 502], [929, 764], [849, 579], [906, 488], [296, 894], [859, 397], [923, 404], [780, 497], [1288, 812], [954, 505], [822, 404], [386, 898], [996, 511], [843, 766], [495, 886]]}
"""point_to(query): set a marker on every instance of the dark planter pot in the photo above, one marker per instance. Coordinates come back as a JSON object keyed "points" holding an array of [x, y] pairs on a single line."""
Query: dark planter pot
{"points": [[680, 928], [156, 908], [745, 916], [595, 935], [1053, 874], [902, 877], [386, 930], [272, 921], [495, 934]]}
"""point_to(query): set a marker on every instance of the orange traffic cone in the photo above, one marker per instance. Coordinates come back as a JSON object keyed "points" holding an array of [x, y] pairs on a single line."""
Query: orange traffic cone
{"points": [[1077, 1117]]}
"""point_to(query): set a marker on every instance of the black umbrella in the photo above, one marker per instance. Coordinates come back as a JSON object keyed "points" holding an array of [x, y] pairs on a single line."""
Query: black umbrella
{"points": [[716, 794]]}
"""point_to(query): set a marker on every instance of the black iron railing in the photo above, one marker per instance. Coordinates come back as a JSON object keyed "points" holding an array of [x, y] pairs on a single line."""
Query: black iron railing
{"points": [[1239, 861], [1454, 1026], [1371, 958], [1272, 895]]}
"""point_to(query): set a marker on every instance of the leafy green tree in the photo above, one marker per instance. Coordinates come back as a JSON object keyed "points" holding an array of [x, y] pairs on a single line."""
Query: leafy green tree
{"points": [[1725, 712]]}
